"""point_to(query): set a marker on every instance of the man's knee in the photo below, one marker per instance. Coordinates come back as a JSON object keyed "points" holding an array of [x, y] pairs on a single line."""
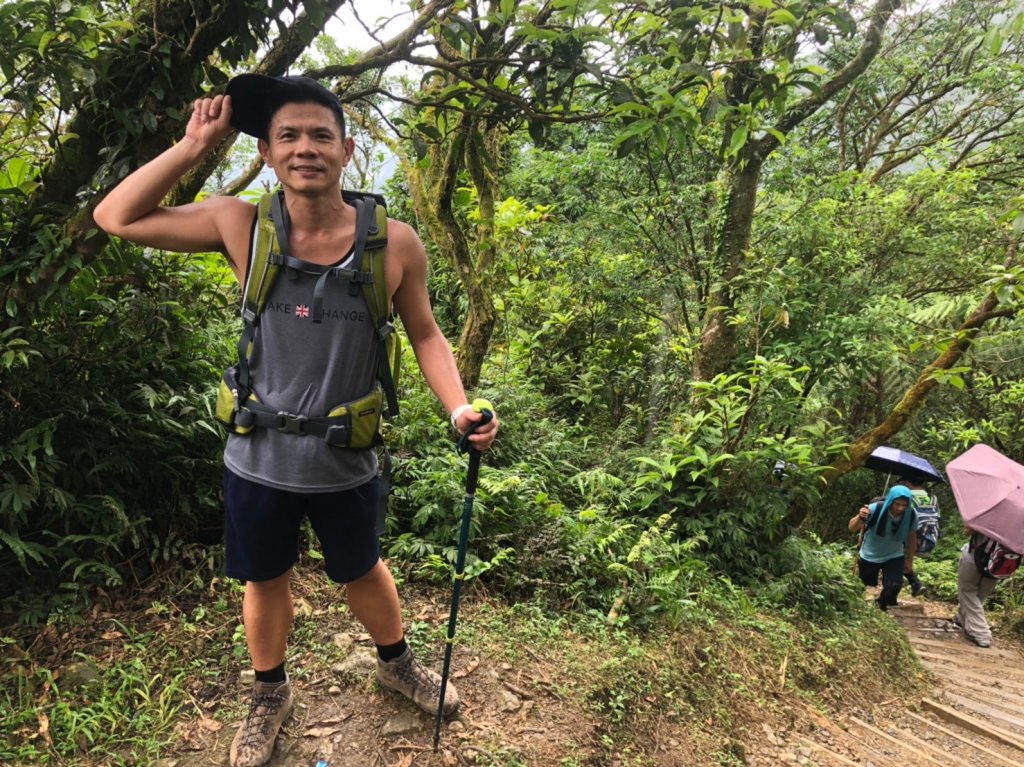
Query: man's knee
{"points": [[376, 576], [278, 587]]}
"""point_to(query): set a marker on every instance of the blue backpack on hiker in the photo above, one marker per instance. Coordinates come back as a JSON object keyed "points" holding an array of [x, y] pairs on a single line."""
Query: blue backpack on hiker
{"points": [[927, 527]]}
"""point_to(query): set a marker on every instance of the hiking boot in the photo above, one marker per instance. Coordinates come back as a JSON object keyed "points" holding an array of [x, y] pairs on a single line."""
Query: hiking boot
{"points": [[983, 643], [254, 742], [918, 589], [418, 683], [956, 622]]}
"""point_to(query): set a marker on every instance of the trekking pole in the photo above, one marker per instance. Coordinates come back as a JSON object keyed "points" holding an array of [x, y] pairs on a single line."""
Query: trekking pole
{"points": [[485, 408]]}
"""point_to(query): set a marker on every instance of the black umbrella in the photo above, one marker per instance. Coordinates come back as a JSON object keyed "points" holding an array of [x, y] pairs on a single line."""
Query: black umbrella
{"points": [[895, 461]]}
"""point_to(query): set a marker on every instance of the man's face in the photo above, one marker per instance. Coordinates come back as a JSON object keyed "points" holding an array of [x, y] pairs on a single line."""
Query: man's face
{"points": [[898, 507], [305, 147]]}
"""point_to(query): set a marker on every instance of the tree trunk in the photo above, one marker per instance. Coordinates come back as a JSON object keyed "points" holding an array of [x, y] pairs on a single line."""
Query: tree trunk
{"points": [[717, 348], [432, 193], [480, 319], [718, 343]]}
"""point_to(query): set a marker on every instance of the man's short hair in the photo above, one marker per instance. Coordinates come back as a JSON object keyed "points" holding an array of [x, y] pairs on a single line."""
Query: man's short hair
{"points": [[255, 100]]}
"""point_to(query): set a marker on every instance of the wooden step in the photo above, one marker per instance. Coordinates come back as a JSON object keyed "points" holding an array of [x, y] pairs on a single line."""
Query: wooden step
{"points": [[1013, 721], [973, 724], [904, 746], [978, 683], [994, 651], [970, 742]]}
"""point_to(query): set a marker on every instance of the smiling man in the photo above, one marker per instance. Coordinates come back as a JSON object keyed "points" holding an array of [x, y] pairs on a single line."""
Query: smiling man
{"points": [[302, 365]]}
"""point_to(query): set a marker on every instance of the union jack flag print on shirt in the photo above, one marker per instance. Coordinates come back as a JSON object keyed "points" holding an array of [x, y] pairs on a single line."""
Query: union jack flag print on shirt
{"points": [[301, 310]]}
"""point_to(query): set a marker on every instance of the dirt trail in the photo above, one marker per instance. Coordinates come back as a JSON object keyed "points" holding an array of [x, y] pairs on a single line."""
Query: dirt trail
{"points": [[973, 716]]}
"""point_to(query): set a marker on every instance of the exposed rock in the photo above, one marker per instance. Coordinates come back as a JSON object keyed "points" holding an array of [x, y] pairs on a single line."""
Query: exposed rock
{"points": [[80, 675], [360, 662], [508, 703], [402, 723], [344, 640]]}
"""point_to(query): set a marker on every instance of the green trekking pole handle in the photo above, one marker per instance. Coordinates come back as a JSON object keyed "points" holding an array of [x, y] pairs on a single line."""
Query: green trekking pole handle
{"points": [[485, 408]]}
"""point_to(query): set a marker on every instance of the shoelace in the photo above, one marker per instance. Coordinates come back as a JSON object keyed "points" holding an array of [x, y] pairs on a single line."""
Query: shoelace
{"points": [[415, 674], [256, 722]]}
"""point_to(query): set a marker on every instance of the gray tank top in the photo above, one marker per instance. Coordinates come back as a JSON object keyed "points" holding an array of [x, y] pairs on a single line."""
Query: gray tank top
{"points": [[307, 368]]}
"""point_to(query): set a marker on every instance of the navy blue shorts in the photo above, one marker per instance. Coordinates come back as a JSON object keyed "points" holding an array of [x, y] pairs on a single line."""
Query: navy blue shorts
{"points": [[261, 529]]}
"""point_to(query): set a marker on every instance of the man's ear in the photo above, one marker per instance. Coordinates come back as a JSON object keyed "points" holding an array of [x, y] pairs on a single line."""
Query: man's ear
{"points": [[264, 149], [349, 145]]}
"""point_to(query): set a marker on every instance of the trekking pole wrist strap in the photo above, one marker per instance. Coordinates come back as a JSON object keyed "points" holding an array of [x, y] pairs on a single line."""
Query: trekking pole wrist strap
{"points": [[459, 411]]}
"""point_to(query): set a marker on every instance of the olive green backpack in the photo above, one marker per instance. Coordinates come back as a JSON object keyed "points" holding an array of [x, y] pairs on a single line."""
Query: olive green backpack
{"points": [[353, 424]]}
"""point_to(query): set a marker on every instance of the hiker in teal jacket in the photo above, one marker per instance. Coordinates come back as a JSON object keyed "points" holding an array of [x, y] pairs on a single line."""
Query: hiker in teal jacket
{"points": [[888, 544]]}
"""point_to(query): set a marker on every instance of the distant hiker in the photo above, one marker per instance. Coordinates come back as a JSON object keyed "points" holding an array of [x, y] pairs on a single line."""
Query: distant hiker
{"points": [[983, 563], [888, 544], [927, 508], [298, 449]]}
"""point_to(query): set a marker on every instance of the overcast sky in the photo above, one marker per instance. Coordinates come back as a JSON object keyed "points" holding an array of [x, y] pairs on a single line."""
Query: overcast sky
{"points": [[392, 14]]}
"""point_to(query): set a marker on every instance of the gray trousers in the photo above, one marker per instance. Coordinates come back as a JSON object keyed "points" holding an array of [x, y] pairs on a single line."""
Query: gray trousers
{"points": [[972, 590]]}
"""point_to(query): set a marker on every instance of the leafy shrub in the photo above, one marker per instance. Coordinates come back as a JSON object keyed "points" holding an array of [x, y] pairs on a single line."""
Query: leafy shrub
{"points": [[729, 482], [110, 456], [812, 579]]}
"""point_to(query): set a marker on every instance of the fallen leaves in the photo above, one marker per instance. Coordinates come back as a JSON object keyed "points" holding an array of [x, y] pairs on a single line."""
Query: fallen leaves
{"points": [[469, 669], [325, 728]]}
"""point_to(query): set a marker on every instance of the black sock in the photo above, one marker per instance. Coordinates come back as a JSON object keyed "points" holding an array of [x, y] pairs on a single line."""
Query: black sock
{"points": [[388, 652], [273, 676]]}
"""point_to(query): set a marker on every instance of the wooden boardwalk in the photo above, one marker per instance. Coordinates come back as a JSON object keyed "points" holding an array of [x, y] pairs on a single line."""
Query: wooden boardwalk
{"points": [[973, 718]]}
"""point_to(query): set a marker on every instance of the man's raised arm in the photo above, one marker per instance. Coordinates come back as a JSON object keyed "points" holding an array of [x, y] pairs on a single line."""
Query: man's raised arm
{"points": [[132, 210]]}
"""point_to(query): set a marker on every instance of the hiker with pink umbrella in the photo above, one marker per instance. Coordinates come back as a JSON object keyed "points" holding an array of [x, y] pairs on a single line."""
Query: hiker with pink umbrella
{"points": [[989, 491]]}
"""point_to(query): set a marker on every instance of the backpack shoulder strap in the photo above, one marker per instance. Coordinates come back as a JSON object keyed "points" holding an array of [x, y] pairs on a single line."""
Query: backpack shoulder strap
{"points": [[376, 238], [370, 249], [261, 271], [876, 509], [258, 279]]}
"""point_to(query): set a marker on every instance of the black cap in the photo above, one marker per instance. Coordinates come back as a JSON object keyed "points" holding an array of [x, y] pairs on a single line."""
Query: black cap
{"points": [[256, 98]]}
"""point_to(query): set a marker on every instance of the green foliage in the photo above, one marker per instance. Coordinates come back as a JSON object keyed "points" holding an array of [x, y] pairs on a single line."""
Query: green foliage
{"points": [[114, 690], [127, 714], [109, 459], [714, 475], [938, 573], [548, 520], [813, 580]]}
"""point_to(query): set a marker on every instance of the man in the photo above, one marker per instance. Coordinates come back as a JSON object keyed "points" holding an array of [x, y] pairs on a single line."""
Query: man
{"points": [[273, 478], [888, 545]]}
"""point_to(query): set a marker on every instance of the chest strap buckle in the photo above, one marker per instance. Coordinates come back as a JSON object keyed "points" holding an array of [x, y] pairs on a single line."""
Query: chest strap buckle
{"points": [[290, 423]]}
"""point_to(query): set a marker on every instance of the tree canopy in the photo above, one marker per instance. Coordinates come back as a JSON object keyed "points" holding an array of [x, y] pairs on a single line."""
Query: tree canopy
{"points": [[678, 244]]}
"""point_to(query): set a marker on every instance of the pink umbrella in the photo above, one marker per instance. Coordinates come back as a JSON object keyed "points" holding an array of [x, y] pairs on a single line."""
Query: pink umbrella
{"points": [[989, 490]]}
